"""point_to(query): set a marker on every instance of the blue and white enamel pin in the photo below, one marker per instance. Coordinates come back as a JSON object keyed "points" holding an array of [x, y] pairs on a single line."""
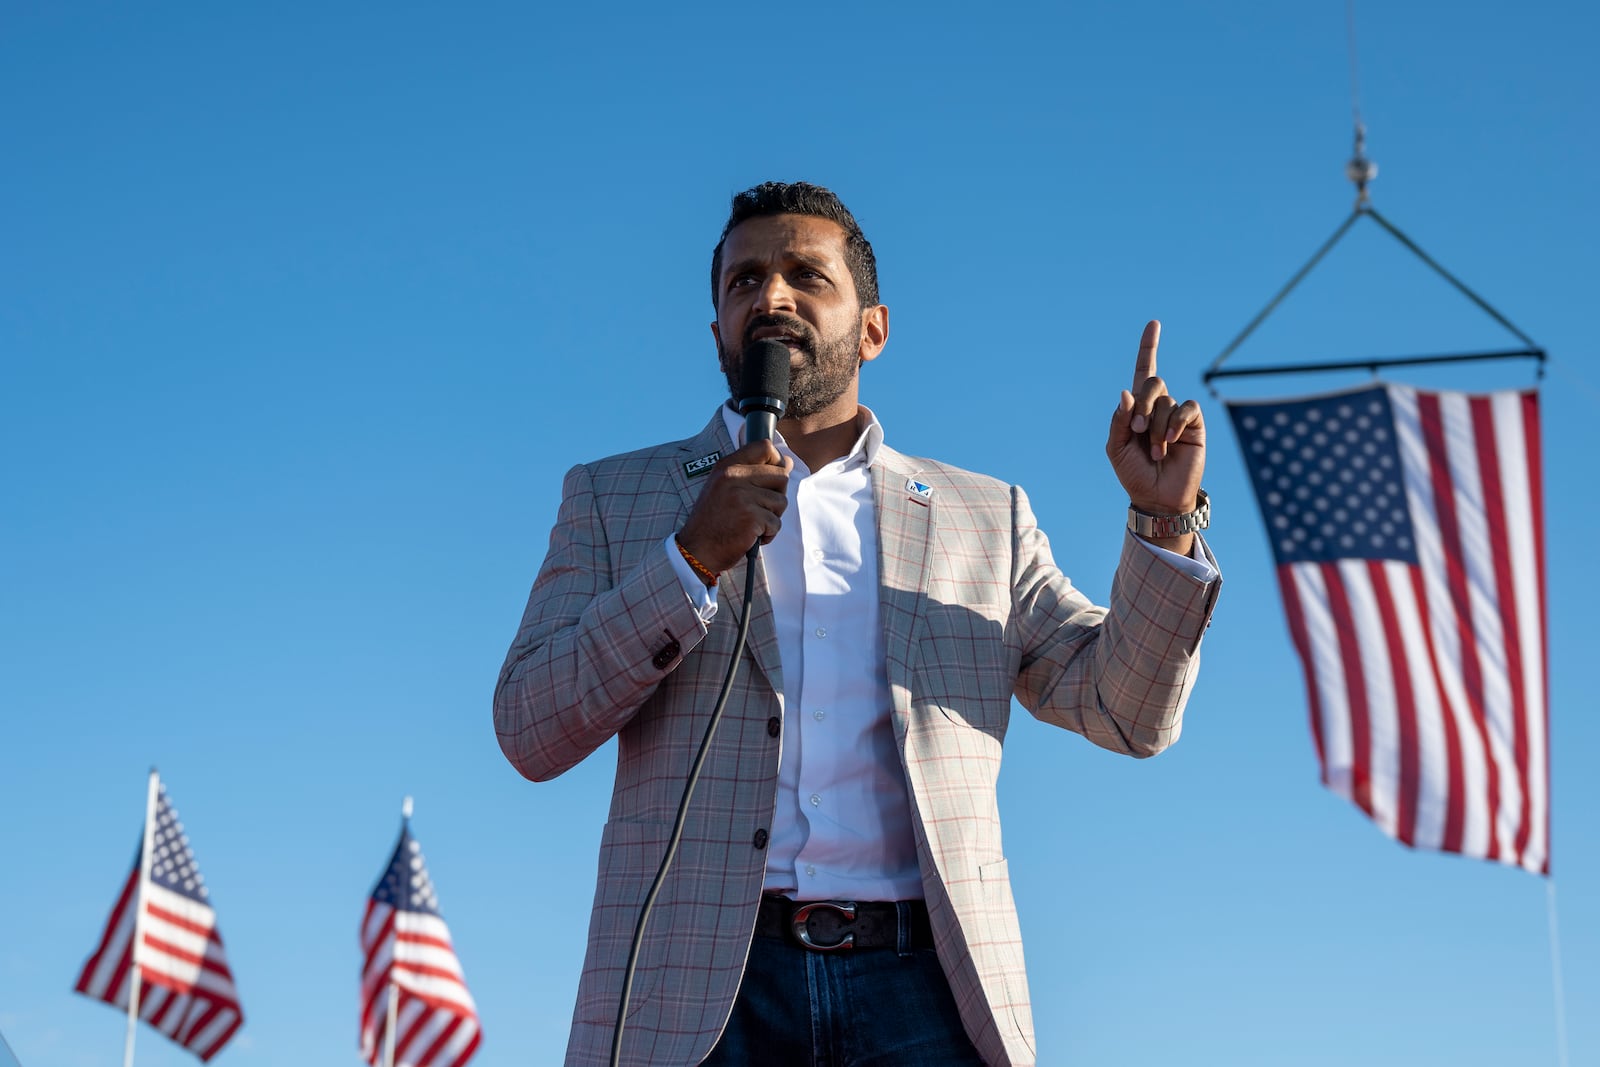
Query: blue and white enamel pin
{"points": [[922, 494]]}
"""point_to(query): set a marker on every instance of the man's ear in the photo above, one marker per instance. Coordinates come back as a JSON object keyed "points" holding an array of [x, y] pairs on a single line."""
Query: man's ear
{"points": [[716, 335], [874, 331]]}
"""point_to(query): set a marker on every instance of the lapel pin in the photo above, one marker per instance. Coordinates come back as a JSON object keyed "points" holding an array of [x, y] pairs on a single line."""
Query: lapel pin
{"points": [[922, 494], [697, 467]]}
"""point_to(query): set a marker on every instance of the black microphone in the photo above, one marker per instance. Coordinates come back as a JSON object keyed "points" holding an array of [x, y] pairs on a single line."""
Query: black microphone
{"points": [[763, 388]]}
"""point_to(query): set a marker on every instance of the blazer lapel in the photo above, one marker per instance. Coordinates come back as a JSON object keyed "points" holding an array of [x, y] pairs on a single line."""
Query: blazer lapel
{"points": [[699, 454], [907, 510]]}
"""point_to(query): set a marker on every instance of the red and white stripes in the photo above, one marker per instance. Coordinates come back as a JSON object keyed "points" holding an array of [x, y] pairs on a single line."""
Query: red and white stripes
{"points": [[1428, 682], [186, 989], [436, 1020]]}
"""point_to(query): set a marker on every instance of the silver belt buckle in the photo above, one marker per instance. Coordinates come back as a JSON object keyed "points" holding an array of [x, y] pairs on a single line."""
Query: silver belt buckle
{"points": [[802, 916]]}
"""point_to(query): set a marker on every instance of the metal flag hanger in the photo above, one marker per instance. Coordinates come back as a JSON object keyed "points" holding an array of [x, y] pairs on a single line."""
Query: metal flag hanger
{"points": [[1361, 170]]}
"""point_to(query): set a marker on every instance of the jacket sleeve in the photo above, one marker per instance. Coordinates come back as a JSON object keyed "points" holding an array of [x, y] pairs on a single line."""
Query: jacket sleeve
{"points": [[1119, 675], [593, 643]]}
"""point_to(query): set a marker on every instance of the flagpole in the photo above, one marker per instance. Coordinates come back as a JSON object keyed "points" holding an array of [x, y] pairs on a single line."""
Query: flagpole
{"points": [[388, 1029], [138, 915], [1555, 972], [394, 991]]}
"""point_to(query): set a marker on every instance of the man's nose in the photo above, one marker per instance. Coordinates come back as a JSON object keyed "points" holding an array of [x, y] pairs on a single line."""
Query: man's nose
{"points": [[774, 296]]}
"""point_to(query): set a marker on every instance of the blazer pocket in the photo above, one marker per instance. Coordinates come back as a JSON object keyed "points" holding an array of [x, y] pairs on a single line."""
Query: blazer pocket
{"points": [[630, 855], [964, 666]]}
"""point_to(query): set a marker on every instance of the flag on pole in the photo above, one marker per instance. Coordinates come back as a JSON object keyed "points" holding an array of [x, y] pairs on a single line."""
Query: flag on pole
{"points": [[410, 973], [162, 936], [1408, 534]]}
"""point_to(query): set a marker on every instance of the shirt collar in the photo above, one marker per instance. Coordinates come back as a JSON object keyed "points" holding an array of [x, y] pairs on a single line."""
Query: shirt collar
{"points": [[863, 452]]}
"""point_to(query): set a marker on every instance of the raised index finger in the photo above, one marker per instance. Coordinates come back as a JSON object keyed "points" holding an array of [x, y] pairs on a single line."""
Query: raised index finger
{"points": [[1144, 368]]}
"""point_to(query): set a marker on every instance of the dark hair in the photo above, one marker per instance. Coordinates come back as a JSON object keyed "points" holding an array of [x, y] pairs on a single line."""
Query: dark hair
{"points": [[803, 198]]}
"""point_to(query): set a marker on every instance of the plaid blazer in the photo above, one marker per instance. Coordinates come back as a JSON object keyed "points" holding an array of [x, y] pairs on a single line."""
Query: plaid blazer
{"points": [[974, 611]]}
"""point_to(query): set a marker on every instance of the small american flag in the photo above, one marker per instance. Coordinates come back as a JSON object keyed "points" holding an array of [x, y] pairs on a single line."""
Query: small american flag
{"points": [[185, 987], [1408, 533], [406, 949]]}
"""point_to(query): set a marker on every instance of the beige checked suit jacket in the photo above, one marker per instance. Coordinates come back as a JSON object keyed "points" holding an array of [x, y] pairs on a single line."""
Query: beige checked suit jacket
{"points": [[974, 611]]}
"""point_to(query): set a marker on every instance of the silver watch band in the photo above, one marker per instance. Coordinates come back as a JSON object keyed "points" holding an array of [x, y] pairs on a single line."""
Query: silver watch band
{"points": [[1146, 524]]}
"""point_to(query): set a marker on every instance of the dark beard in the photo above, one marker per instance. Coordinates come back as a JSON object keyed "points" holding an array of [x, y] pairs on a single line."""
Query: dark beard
{"points": [[825, 371]]}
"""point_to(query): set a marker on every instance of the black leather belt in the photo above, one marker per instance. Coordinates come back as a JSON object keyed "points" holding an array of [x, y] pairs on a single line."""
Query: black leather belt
{"points": [[842, 925]]}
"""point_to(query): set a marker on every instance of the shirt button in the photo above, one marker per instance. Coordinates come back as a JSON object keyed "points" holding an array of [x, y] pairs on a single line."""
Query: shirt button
{"points": [[811, 870], [816, 553], [815, 800], [821, 632], [773, 726], [760, 839], [819, 714]]}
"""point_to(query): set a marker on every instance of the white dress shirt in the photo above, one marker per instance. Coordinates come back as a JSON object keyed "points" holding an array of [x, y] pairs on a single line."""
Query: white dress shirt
{"points": [[842, 828]]}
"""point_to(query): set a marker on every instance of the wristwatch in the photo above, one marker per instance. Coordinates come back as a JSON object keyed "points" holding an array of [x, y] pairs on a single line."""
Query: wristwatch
{"points": [[1145, 524]]}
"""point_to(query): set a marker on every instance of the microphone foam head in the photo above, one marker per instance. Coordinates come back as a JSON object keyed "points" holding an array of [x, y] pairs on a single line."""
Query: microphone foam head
{"points": [[764, 375]]}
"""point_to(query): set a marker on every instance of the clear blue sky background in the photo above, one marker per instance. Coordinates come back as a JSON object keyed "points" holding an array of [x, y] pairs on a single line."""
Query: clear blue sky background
{"points": [[304, 312]]}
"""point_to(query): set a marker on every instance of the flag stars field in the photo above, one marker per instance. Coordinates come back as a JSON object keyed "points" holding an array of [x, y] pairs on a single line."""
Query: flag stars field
{"points": [[1313, 518]]}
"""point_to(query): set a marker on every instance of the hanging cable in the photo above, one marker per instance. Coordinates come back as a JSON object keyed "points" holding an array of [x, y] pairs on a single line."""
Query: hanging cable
{"points": [[1215, 370], [1360, 169], [1451, 278], [1532, 351], [741, 636], [1355, 79]]}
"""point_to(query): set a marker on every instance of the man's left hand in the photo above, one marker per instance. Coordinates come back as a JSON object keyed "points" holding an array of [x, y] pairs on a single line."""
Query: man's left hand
{"points": [[1156, 445]]}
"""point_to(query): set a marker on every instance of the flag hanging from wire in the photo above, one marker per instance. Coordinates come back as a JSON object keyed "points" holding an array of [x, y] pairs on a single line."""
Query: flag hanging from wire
{"points": [[408, 957], [1408, 534], [161, 943]]}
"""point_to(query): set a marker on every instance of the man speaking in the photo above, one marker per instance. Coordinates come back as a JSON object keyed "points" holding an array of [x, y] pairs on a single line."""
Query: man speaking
{"points": [[840, 895]]}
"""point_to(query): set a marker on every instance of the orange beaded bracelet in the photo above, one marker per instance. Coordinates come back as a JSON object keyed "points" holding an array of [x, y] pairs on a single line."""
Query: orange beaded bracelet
{"points": [[705, 573]]}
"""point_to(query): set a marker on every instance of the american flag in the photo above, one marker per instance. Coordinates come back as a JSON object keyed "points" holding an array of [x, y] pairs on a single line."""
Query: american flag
{"points": [[163, 925], [406, 948], [1408, 533]]}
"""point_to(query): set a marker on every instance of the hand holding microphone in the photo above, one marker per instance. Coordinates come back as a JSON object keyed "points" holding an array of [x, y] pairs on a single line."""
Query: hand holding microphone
{"points": [[745, 495]]}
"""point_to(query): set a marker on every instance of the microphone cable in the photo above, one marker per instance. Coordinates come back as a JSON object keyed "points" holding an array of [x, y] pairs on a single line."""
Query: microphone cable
{"points": [[683, 803]]}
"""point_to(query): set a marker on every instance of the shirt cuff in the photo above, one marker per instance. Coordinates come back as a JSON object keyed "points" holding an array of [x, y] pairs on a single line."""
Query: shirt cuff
{"points": [[1195, 565], [702, 598]]}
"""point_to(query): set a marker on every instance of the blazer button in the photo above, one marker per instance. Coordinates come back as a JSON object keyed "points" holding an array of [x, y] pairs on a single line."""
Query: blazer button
{"points": [[663, 659], [761, 839], [773, 726]]}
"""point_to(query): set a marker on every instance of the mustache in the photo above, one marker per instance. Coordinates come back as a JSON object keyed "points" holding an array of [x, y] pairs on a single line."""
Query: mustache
{"points": [[795, 327]]}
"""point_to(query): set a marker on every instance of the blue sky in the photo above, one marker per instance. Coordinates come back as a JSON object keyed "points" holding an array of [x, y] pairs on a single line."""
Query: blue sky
{"points": [[304, 312]]}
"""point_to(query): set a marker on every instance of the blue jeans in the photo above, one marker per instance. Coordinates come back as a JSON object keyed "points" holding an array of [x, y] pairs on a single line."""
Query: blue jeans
{"points": [[867, 1008]]}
